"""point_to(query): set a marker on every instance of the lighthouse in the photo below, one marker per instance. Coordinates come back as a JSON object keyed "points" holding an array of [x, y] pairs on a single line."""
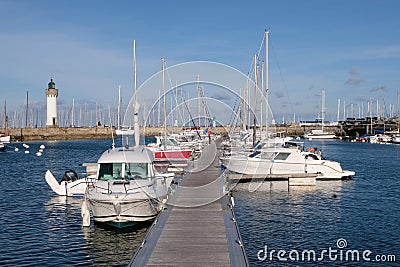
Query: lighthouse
{"points": [[51, 96]]}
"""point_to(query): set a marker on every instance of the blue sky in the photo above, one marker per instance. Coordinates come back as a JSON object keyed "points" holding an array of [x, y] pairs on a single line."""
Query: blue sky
{"points": [[351, 48]]}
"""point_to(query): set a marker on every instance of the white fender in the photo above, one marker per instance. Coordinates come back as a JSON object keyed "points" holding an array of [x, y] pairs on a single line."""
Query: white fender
{"points": [[60, 189], [85, 213]]}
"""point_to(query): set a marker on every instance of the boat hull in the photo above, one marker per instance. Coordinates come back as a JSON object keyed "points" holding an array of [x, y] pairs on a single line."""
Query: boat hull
{"points": [[325, 169], [123, 213], [246, 165]]}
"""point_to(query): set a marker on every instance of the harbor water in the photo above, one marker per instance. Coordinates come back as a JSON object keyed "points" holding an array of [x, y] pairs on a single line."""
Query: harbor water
{"points": [[39, 228], [346, 217]]}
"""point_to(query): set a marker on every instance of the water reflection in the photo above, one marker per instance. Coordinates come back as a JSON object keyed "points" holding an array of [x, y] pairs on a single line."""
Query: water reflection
{"points": [[98, 245], [283, 186], [113, 247], [290, 216]]}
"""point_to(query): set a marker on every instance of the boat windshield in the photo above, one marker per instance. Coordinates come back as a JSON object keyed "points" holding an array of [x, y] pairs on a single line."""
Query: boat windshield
{"points": [[110, 171], [114, 171], [170, 142], [136, 170]]}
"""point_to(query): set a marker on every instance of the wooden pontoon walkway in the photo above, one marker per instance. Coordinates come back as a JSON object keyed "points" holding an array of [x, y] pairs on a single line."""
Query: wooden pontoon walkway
{"points": [[198, 227]]}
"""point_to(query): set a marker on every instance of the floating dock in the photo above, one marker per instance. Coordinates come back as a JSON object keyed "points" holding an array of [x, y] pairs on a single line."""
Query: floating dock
{"points": [[293, 179], [198, 226]]}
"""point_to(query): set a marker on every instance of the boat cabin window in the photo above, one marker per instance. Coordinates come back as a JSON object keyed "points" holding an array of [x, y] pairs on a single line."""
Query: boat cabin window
{"points": [[136, 170], [282, 156], [110, 171], [268, 155], [254, 154]]}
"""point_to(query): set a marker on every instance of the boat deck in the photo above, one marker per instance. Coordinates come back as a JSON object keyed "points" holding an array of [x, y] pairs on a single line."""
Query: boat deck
{"points": [[198, 227]]}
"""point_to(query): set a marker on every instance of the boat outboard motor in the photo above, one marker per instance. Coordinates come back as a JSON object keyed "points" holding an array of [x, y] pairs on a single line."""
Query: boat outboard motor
{"points": [[70, 176]]}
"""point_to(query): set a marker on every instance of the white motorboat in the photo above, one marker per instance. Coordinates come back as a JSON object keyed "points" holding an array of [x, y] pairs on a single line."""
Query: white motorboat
{"points": [[128, 189], [396, 139], [70, 185], [124, 131], [319, 134], [380, 139], [285, 160], [5, 139]]}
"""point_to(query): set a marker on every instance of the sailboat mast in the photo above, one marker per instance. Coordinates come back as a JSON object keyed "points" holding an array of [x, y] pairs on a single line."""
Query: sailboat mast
{"points": [[73, 112], [27, 106], [246, 104], [255, 100], [5, 118], [135, 103], [266, 33], [198, 101], [323, 109], [165, 102], [398, 111], [134, 71], [261, 100], [119, 108], [370, 113]]}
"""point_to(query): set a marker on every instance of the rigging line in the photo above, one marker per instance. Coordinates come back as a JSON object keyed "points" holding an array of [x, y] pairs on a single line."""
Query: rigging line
{"points": [[175, 93], [236, 114], [281, 75], [191, 118], [258, 56], [230, 121], [203, 99]]}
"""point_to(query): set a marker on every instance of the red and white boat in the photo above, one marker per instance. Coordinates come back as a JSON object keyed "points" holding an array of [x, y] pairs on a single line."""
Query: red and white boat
{"points": [[170, 152]]}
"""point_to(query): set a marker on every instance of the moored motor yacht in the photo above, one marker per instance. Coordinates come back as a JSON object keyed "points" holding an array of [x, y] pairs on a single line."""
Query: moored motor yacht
{"points": [[128, 189], [289, 159]]}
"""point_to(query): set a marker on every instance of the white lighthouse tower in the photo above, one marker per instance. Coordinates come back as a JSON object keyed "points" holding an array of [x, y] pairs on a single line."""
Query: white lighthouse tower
{"points": [[51, 96]]}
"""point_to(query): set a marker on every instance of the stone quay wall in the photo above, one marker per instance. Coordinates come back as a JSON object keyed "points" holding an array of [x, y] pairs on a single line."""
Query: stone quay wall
{"points": [[54, 133]]}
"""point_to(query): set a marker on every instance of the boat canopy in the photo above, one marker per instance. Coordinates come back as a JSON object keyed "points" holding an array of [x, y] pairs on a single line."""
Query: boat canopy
{"points": [[131, 154]]}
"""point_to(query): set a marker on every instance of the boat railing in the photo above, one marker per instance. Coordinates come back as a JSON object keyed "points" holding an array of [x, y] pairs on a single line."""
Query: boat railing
{"points": [[124, 183]]}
